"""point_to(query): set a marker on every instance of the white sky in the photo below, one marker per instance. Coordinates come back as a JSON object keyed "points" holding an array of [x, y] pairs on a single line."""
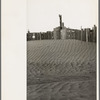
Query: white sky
{"points": [[42, 15]]}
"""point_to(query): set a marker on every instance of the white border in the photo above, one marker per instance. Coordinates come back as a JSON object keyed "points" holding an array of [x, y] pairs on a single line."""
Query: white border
{"points": [[97, 54], [13, 54]]}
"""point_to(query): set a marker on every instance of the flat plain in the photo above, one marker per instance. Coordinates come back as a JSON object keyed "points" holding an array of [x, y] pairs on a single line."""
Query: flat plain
{"points": [[61, 70]]}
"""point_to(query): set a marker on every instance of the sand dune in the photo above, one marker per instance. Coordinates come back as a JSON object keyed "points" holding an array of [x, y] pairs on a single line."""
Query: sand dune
{"points": [[60, 51], [61, 70]]}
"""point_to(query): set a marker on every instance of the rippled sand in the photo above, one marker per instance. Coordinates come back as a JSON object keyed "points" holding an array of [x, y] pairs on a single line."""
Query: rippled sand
{"points": [[61, 70]]}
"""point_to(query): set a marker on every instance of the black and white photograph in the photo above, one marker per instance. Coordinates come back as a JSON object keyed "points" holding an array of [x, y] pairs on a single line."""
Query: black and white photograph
{"points": [[61, 42], [50, 49]]}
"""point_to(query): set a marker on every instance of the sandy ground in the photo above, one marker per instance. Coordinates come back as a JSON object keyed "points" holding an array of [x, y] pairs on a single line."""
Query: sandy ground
{"points": [[74, 90], [61, 70]]}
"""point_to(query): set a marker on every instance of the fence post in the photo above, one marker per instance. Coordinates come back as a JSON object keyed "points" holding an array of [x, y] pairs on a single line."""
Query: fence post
{"points": [[81, 34], [87, 35], [40, 35]]}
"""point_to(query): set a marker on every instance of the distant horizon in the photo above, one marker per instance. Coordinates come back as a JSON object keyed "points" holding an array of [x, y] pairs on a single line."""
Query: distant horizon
{"points": [[43, 15]]}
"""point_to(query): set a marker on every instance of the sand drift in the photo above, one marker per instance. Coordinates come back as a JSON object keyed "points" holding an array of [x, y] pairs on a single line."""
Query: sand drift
{"points": [[65, 69]]}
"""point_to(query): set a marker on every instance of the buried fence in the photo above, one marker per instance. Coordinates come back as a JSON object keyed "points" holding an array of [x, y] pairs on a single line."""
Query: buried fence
{"points": [[88, 35]]}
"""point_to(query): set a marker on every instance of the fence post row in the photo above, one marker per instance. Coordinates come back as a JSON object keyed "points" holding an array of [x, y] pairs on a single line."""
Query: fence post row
{"points": [[87, 34]]}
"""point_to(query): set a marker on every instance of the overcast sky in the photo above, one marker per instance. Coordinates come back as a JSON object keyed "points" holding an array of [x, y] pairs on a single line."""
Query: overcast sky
{"points": [[42, 15]]}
